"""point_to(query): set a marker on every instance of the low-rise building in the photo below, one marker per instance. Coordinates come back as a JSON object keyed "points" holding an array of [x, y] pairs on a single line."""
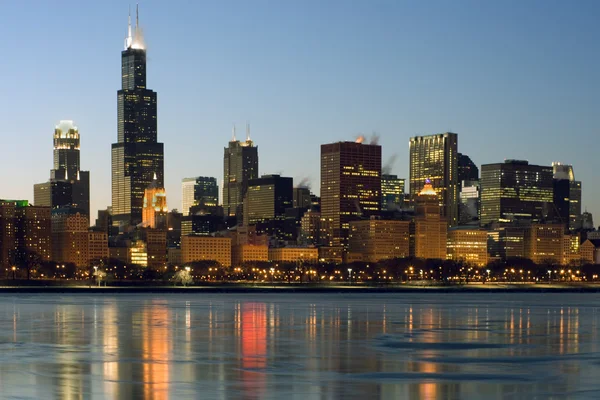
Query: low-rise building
{"points": [[544, 243], [590, 251], [468, 244], [196, 248], [247, 252], [294, 254], [378, 239]]}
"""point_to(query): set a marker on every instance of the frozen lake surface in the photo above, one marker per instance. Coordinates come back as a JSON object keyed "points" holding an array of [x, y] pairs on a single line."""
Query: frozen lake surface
{"points": [[300, 346]]}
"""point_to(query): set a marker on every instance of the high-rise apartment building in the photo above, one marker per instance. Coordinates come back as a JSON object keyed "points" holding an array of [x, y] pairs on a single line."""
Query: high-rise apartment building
{"points": [[240, 164], [137, 156], [199, 191], [516, 190], [434, 158], [350, 186], [68, 185], [392, 192]]}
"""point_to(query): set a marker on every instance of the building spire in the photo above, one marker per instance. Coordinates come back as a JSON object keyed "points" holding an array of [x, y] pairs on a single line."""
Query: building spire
{"points": [[129, 38], [233, 130], [137, 16], [247, 132]]}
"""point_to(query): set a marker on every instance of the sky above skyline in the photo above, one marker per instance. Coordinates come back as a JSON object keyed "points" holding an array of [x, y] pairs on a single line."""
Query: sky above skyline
{"points": [[515, 80]]}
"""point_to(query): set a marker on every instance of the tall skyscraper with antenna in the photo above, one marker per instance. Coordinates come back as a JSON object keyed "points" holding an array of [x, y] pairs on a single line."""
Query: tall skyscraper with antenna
{"points": [[137, 155], [240, 164]]}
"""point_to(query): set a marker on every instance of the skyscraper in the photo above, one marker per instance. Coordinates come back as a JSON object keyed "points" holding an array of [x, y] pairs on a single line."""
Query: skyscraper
{"points": [[154, 212], [392, 192], [240, 164], [267, 198], [137, 156], [467, 170], [350, 186], [429, 226], [68, 185], [516, 190], [199, 191], [567, 195], [434, 158]]}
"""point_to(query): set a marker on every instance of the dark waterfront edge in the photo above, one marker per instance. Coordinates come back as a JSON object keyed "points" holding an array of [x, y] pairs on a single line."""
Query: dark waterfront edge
{"points": [[11, 288]]}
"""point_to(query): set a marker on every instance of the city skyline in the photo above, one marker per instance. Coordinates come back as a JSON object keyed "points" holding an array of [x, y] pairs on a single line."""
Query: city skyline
{"points": [[509, 124]]}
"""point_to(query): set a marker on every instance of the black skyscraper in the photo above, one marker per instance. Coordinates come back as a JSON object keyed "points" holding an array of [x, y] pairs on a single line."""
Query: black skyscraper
{"points": [[137, 155]]}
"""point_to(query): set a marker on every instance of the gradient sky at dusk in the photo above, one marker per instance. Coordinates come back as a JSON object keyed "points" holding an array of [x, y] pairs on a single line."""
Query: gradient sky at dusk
{"points": [[515, 79]]}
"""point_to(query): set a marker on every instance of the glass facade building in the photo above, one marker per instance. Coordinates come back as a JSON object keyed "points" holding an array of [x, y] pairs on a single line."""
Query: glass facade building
{"points": [[516, 190], [137, 156], [567, 195], [199, 191], [392, 192], [434, 158], [350, 186]]}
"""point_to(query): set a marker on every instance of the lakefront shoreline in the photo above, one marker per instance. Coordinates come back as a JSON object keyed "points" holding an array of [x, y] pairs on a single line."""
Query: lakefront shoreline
{"points": [[248, 288]]}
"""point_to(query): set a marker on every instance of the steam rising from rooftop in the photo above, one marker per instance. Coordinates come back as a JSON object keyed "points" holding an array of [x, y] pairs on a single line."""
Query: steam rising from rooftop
{"points": [[304, 183], [387, 168]]}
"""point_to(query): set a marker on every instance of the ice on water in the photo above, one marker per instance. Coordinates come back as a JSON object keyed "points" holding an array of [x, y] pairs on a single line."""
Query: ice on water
{"points": [[300, 346]]}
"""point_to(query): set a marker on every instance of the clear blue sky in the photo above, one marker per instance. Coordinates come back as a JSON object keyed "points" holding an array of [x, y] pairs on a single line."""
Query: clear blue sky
{"points": [[515, 79]]}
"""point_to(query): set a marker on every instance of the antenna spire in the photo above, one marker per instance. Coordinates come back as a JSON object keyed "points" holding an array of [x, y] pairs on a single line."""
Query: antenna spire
{"points": [[233, 130], [247, 132], [137, 16], [129, 38]]}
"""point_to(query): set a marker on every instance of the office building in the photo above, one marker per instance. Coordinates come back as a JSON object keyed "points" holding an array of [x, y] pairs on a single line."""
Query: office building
{"points": [[433, 158], [544, 243], [567, 196], [198, 248], [310, 227], [70, 236], [199, 191], [468, 244], [267, 199], [392, 192], [469, 202], [378, 239], [247, 252], [68, 185], [350, 186], [302, 198], [97, 248], [429, 227], [516, 190], [467, 170], [240, 164], [33, 232], [154, 211], [156, 247], [25, 234], [137, 157], [291, 254], [506, 242]]}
